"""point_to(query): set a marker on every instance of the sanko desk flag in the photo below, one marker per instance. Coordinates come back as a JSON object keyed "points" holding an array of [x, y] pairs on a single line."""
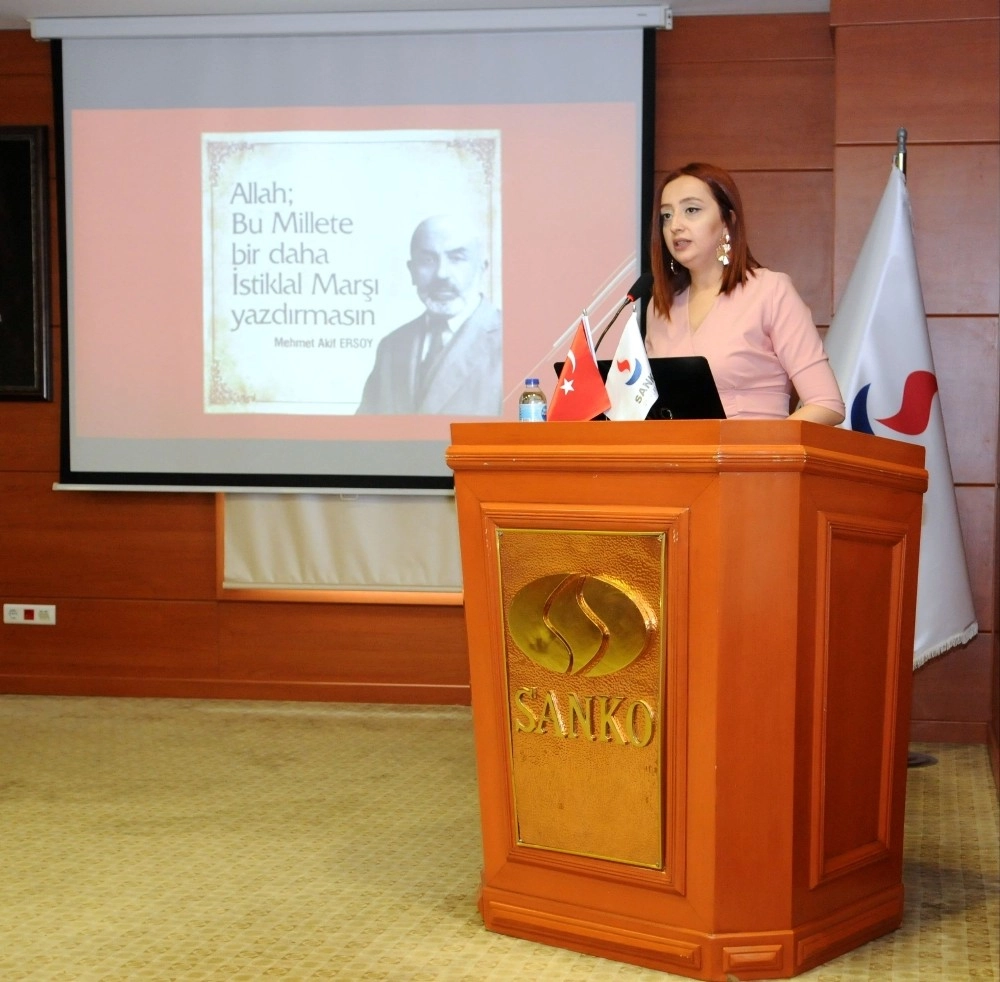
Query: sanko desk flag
{"points": [[630, 385], [880, 352]]}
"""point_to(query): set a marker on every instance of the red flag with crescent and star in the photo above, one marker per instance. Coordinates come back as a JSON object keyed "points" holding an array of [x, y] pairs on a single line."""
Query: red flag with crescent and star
{"points": [[580, 393]]}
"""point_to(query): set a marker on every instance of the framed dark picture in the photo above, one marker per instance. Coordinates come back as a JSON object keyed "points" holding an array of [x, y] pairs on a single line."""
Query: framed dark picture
{"points": [[25, 324]]}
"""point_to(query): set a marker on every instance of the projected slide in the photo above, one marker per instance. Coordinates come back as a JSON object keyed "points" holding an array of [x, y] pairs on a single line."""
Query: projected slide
{"points": [[237, 280], [308, 268], [303, 274]]}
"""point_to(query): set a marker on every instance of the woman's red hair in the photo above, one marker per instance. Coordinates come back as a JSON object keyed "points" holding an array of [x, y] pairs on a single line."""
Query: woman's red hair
{"points": [[666, 283]]}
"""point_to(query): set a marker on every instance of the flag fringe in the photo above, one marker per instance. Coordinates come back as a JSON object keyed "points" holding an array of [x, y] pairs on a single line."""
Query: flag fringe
{"points": [[922, 657]]}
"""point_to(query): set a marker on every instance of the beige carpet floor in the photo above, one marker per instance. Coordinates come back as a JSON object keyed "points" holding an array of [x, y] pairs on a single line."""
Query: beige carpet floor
{"points": [[158, 840]]}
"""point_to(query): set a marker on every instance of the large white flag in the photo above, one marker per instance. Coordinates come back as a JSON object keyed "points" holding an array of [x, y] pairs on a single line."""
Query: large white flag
{"points": [[880, 351], [630, 384]]}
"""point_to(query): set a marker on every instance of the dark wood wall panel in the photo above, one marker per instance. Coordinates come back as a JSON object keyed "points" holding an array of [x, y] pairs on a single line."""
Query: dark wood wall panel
{"points": [[407, 645], [789, 217], [790, 37], [29, 98], [103, 544], [105, 639], [845, 12], [29, 436], [766, 84], [978, 514], [953, 197], [967, 362], [782, 122], [25, 56], [951, 694], [939, 100], [747, 93]]}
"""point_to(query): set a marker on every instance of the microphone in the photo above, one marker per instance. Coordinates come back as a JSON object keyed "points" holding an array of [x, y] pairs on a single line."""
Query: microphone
{"points": [[639, 290]]}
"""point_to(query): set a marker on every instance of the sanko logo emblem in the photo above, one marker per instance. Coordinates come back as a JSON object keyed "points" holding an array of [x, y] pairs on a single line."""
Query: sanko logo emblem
{"points": [[575, 624]]}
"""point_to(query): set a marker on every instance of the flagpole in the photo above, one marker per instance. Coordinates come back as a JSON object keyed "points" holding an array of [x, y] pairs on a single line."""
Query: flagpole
{"points": [[913, 758]]}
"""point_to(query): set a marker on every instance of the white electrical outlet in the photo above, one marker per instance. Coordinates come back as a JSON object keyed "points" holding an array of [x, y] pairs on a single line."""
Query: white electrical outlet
{"points": [[44, 614]]}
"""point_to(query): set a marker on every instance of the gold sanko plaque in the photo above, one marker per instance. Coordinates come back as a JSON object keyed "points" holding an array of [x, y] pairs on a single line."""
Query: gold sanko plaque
{"points": [[571, 623], [584, 654]]}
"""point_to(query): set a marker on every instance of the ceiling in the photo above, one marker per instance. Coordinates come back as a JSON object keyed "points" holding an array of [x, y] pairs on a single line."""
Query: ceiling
{"points": [[17, 14]]}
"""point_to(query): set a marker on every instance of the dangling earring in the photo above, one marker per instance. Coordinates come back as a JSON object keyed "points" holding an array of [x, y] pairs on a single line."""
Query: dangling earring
{"points": [[673, 268], [724, 249]]}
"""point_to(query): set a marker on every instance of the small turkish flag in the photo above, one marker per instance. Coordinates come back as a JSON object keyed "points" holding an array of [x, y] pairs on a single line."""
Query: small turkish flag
{"points": [[580, 393]]}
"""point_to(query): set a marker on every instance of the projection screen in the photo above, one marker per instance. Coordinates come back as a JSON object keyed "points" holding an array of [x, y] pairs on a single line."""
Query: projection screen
{"points": [[243, 223]]}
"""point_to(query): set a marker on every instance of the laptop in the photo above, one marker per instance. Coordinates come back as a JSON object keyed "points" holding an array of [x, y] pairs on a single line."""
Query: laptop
{"points": [[685, 388]]}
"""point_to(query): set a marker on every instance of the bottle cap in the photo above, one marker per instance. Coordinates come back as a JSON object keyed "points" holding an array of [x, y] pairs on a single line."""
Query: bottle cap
{"points": [[531, 381]]}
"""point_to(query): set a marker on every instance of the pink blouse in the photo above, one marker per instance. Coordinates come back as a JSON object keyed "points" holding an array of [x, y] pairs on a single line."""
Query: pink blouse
{"points": [[760, 342]]}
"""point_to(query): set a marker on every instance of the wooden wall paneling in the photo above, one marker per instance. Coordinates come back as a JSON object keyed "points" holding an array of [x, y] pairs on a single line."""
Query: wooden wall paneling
{"points": [[956, 213], [103, 544], [967, 362], [765, 115], [751, 75], [951, 694], [27, 100], [29, 436], [978, 517], [770, 37], [420, 651], [931, 77], [789, 218], [25, 80], [113, 639], [22, 55], [764, 82], [844, 12]]}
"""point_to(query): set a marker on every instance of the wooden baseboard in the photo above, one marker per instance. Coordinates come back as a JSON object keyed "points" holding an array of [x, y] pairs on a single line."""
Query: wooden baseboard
{"points": [[994, 748], [394, 694], [946, 731]]}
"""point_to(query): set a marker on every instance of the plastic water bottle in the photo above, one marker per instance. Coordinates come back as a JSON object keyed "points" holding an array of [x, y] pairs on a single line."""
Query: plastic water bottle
{"points": [[532, 407]]}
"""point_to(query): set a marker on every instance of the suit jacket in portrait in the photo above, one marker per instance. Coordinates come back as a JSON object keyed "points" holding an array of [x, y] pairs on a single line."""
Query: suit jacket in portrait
{"points": [[464, 379]]}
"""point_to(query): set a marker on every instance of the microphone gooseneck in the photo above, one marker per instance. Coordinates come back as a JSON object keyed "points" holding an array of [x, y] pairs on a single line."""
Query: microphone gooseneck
{"points": [[639, 290]]}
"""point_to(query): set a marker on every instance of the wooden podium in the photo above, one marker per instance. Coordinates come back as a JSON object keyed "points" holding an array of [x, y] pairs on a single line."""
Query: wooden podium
{"points": [[691, 661]]}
